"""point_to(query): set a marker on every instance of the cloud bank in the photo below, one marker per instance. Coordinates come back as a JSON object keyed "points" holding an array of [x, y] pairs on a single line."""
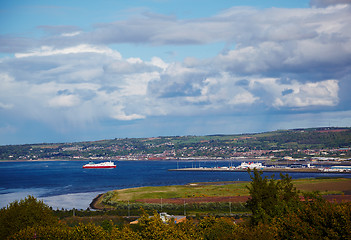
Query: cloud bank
{"points": [[275, 61]]}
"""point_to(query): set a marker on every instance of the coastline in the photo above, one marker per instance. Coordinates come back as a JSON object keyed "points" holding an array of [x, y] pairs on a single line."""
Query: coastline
{"points": [[93, 204]]}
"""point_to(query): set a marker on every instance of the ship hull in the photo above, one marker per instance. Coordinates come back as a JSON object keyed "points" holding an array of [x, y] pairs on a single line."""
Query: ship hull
{"points": [[99, 166]]}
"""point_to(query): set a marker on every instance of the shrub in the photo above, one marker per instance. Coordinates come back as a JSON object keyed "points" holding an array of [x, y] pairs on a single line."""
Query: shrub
{"points": [[19, 215]]}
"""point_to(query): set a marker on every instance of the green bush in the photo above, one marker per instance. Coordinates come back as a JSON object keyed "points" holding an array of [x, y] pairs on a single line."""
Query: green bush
{"points": [[19, 215]]}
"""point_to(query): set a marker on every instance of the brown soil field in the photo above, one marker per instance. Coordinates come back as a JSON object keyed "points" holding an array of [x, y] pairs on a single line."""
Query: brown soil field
{"points": [[234, 199], [342, 186]]}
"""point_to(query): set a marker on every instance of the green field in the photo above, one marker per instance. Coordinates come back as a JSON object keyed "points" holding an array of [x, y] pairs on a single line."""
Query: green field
{"points": [[201, 190], [181, 191]]}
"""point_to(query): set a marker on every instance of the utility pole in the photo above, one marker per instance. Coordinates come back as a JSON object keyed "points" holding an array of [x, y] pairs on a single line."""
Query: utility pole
{"points": [[128, 210], [184, 209]]}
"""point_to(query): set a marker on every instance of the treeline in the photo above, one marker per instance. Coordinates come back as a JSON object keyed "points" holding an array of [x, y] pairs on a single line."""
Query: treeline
{"points": [[278, 211], [217, 208]]}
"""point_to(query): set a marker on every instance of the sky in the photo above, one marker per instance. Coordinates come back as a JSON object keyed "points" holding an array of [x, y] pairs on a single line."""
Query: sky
{"points": [[90, 70]]}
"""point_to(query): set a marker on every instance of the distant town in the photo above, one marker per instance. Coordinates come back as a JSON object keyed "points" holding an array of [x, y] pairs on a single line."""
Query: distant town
{"points": [[313, 144]]}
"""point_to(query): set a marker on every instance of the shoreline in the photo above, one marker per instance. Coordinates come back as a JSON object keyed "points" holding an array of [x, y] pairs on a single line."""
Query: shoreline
{"points": [[93, 203]]}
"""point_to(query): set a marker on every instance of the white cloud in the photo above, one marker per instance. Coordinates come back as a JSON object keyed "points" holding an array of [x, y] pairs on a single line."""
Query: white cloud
{"points": [[323, 93], [45, 51], [64, 101], [134, 60], [71, 34], [118, 113], [243, 98], [124, 117], [156, 61]]}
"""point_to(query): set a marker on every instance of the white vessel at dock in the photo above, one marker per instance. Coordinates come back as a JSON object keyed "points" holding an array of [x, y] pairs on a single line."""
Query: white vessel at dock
{"points": [[250, 165]]}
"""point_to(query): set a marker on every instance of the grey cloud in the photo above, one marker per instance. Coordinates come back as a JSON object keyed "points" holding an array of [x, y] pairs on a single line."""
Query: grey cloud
{"points": [[325, 3], [125, 67], [55, 30], [175, 90], [235, 25], [85, 94], [181, 85], [12, 44], [63, 92], [240, 26], [154, 30]]}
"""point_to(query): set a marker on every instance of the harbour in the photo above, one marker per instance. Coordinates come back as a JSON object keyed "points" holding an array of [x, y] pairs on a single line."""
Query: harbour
{"points": [[297, 170], [245, 166]]}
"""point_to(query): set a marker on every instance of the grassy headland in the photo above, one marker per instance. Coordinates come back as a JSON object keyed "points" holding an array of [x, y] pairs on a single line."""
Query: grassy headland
{"points": [[235, 192]]}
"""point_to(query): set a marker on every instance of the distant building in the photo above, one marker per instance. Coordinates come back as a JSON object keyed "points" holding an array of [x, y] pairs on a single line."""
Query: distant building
{"points": [[166, 218]]}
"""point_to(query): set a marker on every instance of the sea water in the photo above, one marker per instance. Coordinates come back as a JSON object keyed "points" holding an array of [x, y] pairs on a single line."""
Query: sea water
{"points": [[65, 184]]}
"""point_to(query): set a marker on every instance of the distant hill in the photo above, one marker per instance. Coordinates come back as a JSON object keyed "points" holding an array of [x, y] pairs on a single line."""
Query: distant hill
{"points": [[311, 142]]}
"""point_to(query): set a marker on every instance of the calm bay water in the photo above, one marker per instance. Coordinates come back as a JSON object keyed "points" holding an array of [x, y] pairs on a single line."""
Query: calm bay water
{"points": [[65, 184]]}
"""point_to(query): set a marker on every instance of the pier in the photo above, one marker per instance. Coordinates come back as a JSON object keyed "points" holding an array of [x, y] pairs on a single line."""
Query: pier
{"points": [[265, 169]]}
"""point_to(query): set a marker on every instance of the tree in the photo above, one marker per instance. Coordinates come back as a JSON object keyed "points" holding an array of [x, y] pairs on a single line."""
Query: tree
{"points": [[152, 227], [125, 234], [25, 213], [221, 228], [89, 232], [269, 197], [316, 218], [43, 232]]}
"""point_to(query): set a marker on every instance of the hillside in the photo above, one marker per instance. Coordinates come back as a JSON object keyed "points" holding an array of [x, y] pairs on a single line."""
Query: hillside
{"points": [[298, 143]]}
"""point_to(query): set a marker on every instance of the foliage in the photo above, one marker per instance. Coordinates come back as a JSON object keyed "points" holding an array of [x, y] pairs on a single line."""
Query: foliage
{"points": [[270, 198], [133, 208], [125, 234], [221, 228], [316, 219], [42, 232], [83, 231], [278, 214], [107, 197], [88, 231], [25, 213]]}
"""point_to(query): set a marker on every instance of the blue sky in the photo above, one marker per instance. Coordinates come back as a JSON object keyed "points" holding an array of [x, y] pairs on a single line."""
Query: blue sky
{"points": [[89, 70]]}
